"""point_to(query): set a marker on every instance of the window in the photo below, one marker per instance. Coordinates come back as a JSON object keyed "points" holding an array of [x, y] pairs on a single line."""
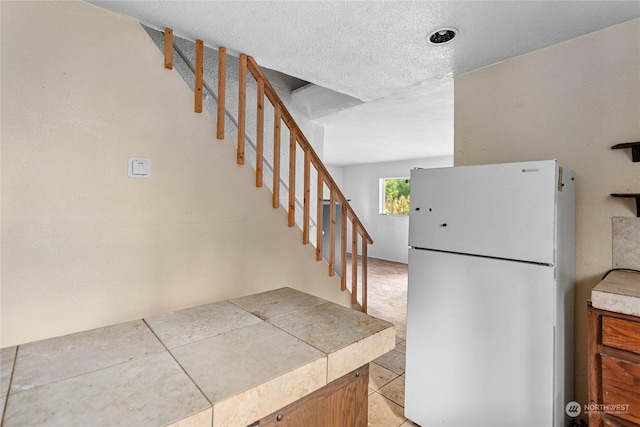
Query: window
{"points": [[394, 196]]}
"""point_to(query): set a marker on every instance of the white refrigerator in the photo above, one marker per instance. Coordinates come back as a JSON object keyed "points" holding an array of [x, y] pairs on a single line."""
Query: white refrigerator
{"points": [[490, 298]]}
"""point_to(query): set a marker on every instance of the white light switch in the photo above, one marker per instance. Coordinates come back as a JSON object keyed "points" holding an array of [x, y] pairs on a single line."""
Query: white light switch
{"points": [[138, 167]]}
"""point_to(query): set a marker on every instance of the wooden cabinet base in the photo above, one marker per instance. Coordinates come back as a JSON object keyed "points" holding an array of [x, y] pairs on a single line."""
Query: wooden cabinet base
{"points": [[342, 403], [614, 369]]}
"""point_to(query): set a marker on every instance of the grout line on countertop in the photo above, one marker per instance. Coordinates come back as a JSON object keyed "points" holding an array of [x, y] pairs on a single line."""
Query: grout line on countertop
{"points": [[181, 367]]}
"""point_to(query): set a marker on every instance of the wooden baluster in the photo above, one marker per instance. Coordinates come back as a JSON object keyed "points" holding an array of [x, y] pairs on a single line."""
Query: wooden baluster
{"points": [[242, 101], [260, 133], [364, 275], [281, 114], [343, 246], [222, 76], [197, 105], [332, 229], [354, 262], [168, 48], [292, 177], [320, 197], [306, 198], [276, 156]]}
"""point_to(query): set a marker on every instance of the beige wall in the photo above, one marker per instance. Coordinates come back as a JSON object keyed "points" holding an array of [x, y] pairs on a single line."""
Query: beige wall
{"points": [[571, 101], [85, 246]]}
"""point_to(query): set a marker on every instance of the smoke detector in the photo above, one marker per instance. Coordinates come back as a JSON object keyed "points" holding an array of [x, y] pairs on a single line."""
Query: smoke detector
{"points": [[442, 36]]}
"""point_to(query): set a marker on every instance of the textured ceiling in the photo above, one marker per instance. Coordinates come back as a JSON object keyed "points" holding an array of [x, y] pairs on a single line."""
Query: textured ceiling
{"points": [[377, 52]]}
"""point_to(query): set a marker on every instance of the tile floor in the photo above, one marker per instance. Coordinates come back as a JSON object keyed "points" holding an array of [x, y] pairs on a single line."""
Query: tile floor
{"points": [[387, 299]]}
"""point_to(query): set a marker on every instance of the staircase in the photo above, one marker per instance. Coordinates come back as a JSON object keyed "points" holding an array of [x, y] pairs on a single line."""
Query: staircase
{"points": [[296, 176]]}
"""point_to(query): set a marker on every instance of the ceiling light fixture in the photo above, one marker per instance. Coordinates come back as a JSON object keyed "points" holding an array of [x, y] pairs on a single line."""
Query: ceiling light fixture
{"points": [[442, 36]]}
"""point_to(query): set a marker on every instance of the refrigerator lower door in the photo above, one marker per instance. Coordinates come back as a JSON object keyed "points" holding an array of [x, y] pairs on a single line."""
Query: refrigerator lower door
{"points": [[480, 342]]}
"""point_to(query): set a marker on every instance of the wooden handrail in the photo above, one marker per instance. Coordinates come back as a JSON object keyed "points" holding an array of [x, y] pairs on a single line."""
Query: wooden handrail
{"points": [[336, 197], [272, 95], [337, 200]]}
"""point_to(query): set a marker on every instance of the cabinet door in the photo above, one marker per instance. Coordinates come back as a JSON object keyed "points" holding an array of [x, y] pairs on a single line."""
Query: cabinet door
{"points": [[620, 394], [614, 369], [343, 403]]}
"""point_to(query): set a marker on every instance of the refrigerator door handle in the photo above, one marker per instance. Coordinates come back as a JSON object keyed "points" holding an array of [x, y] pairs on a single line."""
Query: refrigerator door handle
{"points": [[560, 183]]}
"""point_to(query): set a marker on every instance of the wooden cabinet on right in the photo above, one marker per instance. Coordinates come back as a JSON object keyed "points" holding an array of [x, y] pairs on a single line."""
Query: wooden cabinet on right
{"points": [[614, 369]]}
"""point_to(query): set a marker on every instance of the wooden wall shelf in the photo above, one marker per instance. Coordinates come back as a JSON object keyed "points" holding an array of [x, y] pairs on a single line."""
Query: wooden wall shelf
{"points": [[630, 196], [635, 149], [635, 157]]}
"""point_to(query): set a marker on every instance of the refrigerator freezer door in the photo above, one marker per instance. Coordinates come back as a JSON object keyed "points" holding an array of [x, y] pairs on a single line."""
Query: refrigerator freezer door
{"points": [[503, 210], [480, 340]]}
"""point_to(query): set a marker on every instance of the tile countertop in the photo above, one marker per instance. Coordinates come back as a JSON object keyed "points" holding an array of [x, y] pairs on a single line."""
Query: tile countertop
{"points": [[618, 292], [227, 364]]}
